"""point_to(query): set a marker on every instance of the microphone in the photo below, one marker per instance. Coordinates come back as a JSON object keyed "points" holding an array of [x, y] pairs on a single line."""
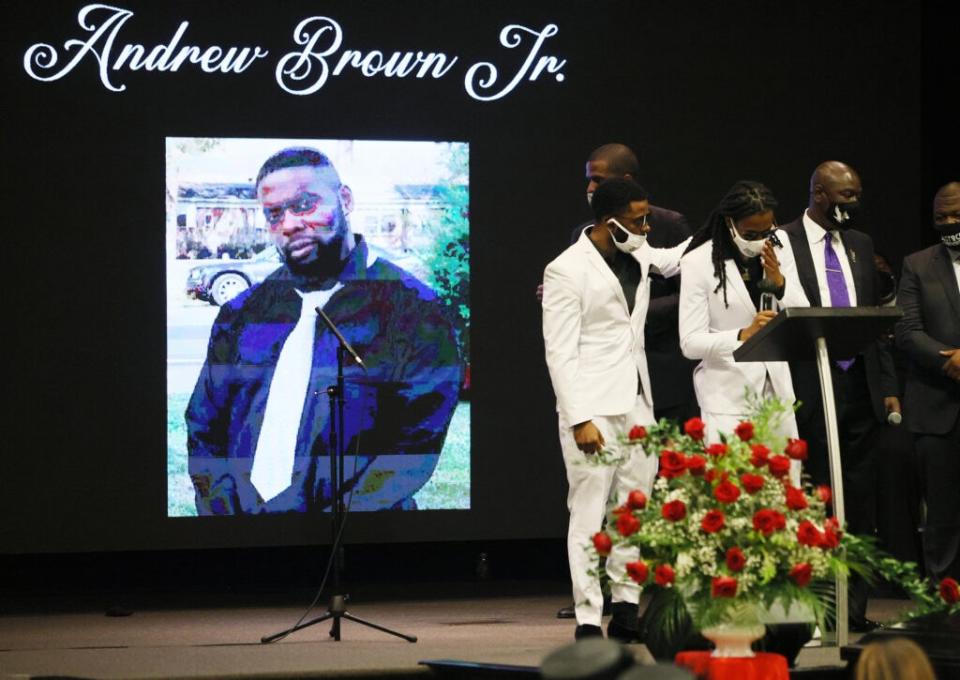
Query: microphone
{"points": [[343, 340], [894, 418]]}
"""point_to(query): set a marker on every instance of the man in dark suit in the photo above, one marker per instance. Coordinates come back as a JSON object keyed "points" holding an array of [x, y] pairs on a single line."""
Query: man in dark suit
{"points": [[671, 375], [929, 334], [837, 269]]}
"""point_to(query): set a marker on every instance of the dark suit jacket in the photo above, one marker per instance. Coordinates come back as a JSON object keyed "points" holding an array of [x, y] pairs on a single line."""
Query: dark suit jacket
{"points": [[878, 364], [671, 375], [930, 301]]}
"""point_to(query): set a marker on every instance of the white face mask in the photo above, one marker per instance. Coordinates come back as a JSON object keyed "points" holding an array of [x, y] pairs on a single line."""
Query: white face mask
{"points": [[746, 248], [633, 241]]}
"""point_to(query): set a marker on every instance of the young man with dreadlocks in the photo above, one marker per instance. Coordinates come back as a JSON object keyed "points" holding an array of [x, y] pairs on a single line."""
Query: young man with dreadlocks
{"points": [[731, 261]]}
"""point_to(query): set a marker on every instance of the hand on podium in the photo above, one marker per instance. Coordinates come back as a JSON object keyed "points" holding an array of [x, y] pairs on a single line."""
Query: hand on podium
{"points": [[759, 321]]}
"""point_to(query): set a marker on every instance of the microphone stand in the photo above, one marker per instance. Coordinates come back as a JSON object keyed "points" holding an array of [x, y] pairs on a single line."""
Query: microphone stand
{"points": [[337, 609]]}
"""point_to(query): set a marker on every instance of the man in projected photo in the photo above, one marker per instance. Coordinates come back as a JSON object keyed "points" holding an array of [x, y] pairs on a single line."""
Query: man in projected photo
{"points": [[258, 420]]}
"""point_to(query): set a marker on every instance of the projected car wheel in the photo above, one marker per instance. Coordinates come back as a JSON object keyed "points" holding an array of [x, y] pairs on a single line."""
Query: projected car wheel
{"points": [[226, 287]]}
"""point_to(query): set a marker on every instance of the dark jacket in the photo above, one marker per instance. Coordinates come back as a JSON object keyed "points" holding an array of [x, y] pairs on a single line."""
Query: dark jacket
{"points": [[399, 409], [878, 364], [930, 300]]}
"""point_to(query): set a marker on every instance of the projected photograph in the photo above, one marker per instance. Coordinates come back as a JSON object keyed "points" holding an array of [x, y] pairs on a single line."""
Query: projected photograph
{"points": [[260, 235]]}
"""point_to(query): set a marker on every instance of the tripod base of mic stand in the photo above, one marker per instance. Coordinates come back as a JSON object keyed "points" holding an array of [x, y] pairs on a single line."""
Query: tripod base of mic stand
{"points": [[336, 611]]}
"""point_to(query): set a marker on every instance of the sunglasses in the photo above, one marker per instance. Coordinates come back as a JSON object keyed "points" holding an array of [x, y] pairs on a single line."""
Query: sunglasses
{"points": [[300, 205]]}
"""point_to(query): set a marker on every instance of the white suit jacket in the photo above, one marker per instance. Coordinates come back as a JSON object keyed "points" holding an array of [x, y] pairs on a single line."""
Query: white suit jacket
{"points": [[708, 331], [594, 346]]}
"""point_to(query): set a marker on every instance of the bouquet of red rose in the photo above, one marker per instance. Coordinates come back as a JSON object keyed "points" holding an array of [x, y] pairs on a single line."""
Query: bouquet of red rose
{"points": [[729, 531]]}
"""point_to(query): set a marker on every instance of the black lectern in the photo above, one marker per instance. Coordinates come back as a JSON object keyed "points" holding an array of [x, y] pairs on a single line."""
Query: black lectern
{"points": [[801, 334]]}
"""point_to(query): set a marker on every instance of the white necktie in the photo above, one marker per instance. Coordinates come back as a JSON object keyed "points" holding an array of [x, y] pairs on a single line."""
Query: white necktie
{"points": [[272, 470]]}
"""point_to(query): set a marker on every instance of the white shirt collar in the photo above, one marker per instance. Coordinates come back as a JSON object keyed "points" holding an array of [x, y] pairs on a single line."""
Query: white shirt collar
{"points": [[815, 233]]}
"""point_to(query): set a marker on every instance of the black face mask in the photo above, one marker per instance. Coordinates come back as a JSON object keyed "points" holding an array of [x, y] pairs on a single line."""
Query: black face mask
{"points": [[950, 236], [843, 215]]}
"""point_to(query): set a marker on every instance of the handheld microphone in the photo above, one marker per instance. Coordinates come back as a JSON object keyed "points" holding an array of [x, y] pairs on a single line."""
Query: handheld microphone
{"points": [[894, 418], [343, 340]]}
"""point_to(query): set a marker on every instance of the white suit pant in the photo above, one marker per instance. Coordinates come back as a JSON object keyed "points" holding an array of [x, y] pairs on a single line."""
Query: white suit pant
{"points": [[594, 489]]}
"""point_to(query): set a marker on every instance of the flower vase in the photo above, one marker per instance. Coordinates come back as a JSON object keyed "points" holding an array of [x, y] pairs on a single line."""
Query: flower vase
{"points": [[733, 640]]}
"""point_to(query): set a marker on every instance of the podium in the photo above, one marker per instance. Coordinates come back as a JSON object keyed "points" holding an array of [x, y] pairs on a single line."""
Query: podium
{"points": [[803, 334]]}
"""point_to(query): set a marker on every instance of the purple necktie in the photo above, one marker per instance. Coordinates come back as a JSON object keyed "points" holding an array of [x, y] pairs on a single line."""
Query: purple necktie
{"points": [[836, 284]]}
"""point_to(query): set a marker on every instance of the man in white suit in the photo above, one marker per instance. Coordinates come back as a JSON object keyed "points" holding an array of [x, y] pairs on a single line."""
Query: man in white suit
{"points": [[732, 262], [595, 300]]}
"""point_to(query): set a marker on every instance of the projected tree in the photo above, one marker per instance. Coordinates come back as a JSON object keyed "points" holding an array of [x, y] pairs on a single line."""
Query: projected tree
{"points": [[449, 259]]}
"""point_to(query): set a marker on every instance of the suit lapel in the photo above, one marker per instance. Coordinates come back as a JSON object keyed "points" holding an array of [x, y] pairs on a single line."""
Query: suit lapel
{"points": [[858, 268], [735, 282], [943, 266], [596, 260], [804, 260]]}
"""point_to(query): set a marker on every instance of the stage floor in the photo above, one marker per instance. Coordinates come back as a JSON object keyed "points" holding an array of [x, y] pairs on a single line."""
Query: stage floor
{"points": [[163, 640]]}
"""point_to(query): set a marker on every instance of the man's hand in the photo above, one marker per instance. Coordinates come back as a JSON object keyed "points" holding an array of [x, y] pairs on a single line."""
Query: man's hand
{"points": [[759, 321], [771, 265], [892, 405], [588, 437], [952, 365], [540, 292]]}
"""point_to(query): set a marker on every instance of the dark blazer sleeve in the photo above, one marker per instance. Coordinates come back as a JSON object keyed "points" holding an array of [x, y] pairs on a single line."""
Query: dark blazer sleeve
{"points": [[911, 333]]}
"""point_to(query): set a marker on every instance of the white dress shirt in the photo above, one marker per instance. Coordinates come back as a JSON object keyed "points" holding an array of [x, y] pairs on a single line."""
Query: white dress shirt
{"points": [[955, 256], [816, 237]]}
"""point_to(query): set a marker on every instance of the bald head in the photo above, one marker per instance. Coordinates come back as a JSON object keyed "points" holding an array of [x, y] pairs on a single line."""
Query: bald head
{"points": [[619, 158], [946, 207], [834, 195], [832, 172]]}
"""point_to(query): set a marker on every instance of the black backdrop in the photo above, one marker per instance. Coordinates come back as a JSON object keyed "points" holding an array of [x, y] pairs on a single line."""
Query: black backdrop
{"points": [[707, 92]]}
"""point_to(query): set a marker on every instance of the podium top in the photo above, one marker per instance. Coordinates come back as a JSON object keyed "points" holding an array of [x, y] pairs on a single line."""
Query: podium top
{"points": [[792, 334]]}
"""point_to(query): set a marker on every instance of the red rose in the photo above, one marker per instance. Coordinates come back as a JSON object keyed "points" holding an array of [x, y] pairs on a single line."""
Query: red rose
{"points": [[638, 571], [717, 450], [710, 475], [627, 524], [779, 466], [744, 430], [637, 432], [830, 539], [724, 586], [726, 492], [695, 428], [808, 534], [712, 522], [801, 574], [949, 591], [751, 483], [759, 455], [664, 575], [672, 464], [602, 543], [696, 465], [796, 500], [832, 523], [620, 510], [674, 511], [736, 560], [637, 500], [796, 449], [767, 521], [824, 493]]}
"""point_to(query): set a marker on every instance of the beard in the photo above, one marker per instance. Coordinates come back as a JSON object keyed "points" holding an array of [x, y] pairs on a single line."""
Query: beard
{"points": [[326, 258]]}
